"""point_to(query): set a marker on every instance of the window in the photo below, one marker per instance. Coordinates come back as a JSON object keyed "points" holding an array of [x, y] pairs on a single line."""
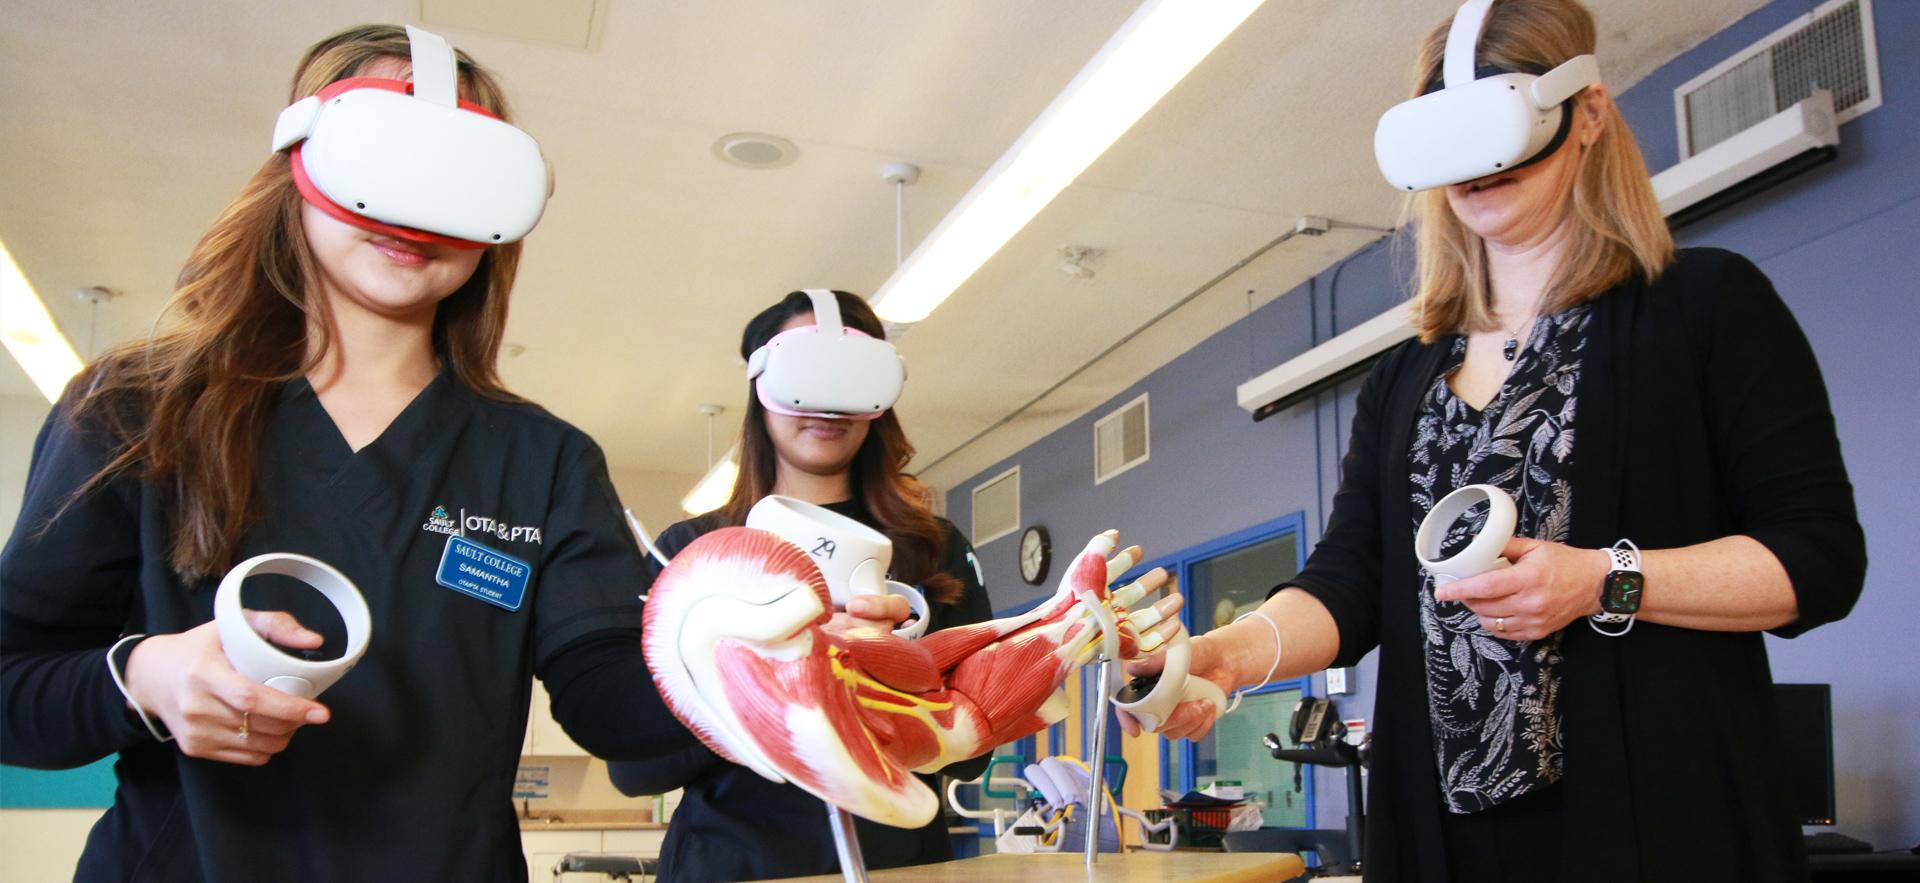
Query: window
{"points": [[1222, 586], [1223, 579]]}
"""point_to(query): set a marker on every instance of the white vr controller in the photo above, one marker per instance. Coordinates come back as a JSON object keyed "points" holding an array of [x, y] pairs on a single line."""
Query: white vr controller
{"points": [[1477, 127], [1482, 554], [853, 557], [827, 369], [1151, 700], [251, 654]]}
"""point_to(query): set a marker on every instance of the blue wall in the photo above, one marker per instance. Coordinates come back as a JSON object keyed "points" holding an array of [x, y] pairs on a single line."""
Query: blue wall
{"points": [[1213, 471], [1842, 243]]}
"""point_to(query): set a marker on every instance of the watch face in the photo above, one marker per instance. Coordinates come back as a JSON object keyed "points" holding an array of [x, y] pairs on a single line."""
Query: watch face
{"points": [[1034, 553], [1622, 592]]}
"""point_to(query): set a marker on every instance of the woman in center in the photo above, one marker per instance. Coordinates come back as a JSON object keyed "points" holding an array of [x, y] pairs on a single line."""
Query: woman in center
{"points": [[732, 824]]}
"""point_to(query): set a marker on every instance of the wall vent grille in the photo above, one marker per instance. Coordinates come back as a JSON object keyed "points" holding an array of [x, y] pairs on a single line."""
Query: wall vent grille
{"points": [[1830, 48], [1121, 440], [996, 507]]}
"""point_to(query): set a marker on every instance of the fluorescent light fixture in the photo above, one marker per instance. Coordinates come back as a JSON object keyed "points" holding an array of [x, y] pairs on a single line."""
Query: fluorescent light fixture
{"points": [[1157, 46], [714, 487], [29, 333]]}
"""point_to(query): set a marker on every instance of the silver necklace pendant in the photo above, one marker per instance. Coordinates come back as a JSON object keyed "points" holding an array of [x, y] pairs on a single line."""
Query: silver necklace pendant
{"points": [[1511, 349]]}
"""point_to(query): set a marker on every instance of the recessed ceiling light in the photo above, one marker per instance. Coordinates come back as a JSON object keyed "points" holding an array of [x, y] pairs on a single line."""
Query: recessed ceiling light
{"points": [[755, 150]]}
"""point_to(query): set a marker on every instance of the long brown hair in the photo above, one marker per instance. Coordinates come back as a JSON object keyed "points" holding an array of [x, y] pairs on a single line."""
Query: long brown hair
{"points": [[897, 501], [188, 406], [1617, 232]]}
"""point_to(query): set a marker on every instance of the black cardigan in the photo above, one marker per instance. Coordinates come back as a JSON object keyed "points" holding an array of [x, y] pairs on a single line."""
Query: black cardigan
{"points": [[1702, 415]]}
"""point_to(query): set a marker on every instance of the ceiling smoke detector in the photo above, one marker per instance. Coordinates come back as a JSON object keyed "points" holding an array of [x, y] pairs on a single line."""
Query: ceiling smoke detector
{"points": [[1073, 261], [755, 150]]}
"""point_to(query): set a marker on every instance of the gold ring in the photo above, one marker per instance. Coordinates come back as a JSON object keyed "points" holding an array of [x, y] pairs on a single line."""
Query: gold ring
{"points": [[1500, 624], [245, 721]]}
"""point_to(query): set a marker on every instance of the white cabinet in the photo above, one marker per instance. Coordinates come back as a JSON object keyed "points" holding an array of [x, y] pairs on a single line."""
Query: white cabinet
{"points": [[544, 737], [644, 843], [544, 849]]}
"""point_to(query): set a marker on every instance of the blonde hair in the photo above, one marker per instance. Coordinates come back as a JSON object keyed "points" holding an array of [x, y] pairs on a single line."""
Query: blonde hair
{"points": [[1617, 231], [188, 407]]}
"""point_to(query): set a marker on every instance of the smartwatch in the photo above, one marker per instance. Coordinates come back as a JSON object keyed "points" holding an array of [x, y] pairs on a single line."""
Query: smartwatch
{"points": [[1620, 592]]}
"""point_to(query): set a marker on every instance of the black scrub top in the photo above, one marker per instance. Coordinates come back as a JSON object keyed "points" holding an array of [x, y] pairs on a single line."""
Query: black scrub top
{"points": [[732, 824], [412, 778]]}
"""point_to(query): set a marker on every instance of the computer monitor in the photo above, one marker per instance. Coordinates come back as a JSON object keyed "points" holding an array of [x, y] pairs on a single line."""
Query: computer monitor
{"points": [[1806, 735]]}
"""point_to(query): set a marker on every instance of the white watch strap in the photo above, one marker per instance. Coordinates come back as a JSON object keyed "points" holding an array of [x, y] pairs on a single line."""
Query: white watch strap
{"points": [[1623, 556]]}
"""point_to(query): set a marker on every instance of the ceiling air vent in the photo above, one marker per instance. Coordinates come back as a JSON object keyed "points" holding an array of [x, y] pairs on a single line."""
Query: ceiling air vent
{"points": [[1120, 440], [996, 507], [1830, 48]]}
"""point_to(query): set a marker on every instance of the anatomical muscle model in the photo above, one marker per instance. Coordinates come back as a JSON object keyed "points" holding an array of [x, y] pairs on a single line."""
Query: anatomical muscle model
{"points": [[735, 640]]}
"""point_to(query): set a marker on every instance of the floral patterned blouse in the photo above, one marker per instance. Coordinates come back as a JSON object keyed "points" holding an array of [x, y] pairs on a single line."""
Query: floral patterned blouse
{"points": [[1495, 703]]}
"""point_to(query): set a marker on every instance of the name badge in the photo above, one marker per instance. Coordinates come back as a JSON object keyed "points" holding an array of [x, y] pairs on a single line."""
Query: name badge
{"points": [[477, 571]]}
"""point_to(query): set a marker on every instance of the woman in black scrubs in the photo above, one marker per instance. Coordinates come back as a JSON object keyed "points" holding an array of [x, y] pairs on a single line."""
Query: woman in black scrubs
{"points": [[1621, 392], [325, 390], [731, 823]]}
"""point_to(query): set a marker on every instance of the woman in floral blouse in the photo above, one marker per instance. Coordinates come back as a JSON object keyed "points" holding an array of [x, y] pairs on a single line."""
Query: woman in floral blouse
{"points": [[1617, 390]]}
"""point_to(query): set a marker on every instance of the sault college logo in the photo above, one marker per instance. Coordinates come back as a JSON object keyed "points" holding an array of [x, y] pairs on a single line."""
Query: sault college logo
{"points": [[441, 522]]}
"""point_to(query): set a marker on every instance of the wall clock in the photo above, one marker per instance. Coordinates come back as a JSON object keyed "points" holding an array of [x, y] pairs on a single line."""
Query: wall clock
{"points": [[1036, 555]]}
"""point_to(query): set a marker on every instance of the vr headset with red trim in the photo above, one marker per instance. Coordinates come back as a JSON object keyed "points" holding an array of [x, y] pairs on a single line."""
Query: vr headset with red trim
{"points": [[412, 160]]}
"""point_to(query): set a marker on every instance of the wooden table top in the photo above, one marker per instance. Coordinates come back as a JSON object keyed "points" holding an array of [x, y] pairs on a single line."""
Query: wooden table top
{"points": [[1133, 867]]}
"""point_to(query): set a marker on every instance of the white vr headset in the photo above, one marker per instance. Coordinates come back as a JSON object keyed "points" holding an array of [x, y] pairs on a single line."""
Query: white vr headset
{"points": [[412, 160], [1478, 127], [827, 369]]}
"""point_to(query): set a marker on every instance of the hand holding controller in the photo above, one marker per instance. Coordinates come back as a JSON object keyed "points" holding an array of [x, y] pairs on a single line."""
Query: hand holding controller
{"points": [[251, 654], [1151, 699], [1480, 555], [853, 557]]}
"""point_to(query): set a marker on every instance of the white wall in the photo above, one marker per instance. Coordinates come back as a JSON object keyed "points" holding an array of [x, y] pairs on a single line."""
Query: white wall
{"points": [[20, 419], [35, 844], [654, 497], [42, 845]]}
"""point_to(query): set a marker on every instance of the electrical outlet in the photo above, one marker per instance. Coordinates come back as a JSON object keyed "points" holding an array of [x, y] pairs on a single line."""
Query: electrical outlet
{"points": [[1337, 681]]}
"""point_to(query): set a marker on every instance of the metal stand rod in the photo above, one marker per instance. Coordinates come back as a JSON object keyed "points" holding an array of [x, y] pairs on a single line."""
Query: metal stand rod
{"points": [[1097, 764], [853, 868], [1356, 814]]}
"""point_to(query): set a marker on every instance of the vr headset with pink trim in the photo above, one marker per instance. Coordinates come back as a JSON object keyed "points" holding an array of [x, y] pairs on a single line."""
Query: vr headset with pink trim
{"points": [[412, 160], [827, 369]]}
